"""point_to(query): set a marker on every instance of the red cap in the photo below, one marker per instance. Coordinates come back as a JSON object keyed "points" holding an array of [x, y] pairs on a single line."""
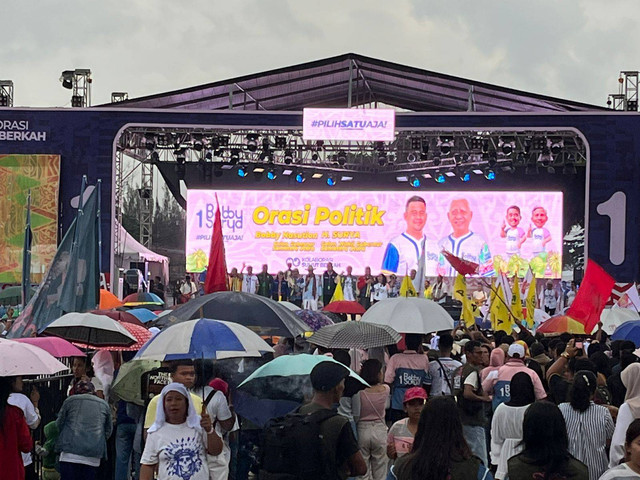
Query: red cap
{"points": [[221, 385], [413, 393]]}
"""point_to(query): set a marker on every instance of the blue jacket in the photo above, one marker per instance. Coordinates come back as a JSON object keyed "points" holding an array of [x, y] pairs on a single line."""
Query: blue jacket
{"points": [[85, 424]]}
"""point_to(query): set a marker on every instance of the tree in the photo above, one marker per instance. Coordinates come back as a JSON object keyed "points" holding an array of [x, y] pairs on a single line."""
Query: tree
{"points": [[573, 250]]}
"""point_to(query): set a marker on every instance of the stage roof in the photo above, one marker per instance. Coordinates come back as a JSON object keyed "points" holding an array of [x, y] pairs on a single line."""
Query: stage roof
{"points": [[326, 83]]}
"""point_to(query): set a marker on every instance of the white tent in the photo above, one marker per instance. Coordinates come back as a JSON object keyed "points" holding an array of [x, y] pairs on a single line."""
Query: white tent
{"points": [[134, 251]]}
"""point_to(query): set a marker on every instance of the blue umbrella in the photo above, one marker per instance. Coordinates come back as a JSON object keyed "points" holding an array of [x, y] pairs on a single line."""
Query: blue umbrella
{"points": [[628, 331], [143, 314], [205, 339]]}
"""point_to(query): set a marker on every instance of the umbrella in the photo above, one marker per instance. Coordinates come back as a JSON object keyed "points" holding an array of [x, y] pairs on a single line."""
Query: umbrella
{"points": [[291, 306], [409, 315], [128, 384], [262, 315], [561, 324], [345, 306], [314, 320], [204, 338], [17, 358], [278, 387], [143, 314], [120, 316], [56, 346], [141, 334], [108, 300], [628, 331], [91, 329], [12, 295], [142, 298], [355, 335]]}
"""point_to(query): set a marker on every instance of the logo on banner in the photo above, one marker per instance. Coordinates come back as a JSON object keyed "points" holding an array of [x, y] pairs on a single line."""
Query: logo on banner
{"points": [[19, 131]]}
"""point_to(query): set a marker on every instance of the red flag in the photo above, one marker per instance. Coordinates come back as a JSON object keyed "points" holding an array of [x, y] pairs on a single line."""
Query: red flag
{"points": [[592, 296], [463, 267], [216, 280]]}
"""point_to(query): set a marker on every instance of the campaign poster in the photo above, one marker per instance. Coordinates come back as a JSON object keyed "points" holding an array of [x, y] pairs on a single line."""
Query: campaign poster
{"points": [[387, 231], [19, 174]]}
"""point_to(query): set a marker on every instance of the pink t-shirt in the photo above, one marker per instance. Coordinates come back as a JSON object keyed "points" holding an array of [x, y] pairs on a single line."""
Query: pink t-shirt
{"points": [[506, 372], [372, 405]]}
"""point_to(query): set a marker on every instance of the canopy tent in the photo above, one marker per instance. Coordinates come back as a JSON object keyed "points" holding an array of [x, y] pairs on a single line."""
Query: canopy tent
{"points": [[134, 251]]}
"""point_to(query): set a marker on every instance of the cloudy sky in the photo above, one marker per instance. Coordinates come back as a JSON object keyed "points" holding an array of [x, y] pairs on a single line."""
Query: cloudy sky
{"points": [[572, 49]]}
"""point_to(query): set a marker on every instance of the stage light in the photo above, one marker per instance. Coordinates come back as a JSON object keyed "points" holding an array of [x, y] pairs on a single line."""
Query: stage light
{"points": [[476, 143], [414, 181], [485, 146], [490, 174], [197, 142], [67, 79], [436, 161], [223, 140], [181, 158], [150, 141], [341, 158], [266, 155], [346, 178], [252, 142], [465, 175], [331, 181], [288, 157], [281, 143], [507, 144], [446, 144], [242, 171], [521, 159], [235, 156], [300, 177], [416, 143], [538, 143], [411, 157], [555, 145], [425, 151], [440, 177], [382, 159], [208, 156], [314, 157], [271, 174]]}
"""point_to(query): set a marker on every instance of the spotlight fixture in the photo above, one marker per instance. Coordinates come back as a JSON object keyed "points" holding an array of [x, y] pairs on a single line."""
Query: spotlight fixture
{"points": [[341, 157], [235, 156], [181, 158], [265, 143], [490, 174], [476, 143], [242, 171], [288, 157], [464, 175], [538, 143], [197, 142], [446, 144], [485, 146], [208, 156], [425, 151], [506, 144], [300, 177], [281, 142], [331, 181], [437, 161], [555, 145], [252, 142], [521, 159], [314, 157], [414, 181], [271, 174], [439, 177], [382, 159], [67, 79]]}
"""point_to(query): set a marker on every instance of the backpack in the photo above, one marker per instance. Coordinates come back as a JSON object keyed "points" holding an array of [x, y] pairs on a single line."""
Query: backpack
{"points": [[468, 407], [293, 448]]}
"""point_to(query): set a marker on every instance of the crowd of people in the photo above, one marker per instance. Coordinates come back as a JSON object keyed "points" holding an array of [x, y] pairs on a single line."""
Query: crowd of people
{"points": [[459, 404]]}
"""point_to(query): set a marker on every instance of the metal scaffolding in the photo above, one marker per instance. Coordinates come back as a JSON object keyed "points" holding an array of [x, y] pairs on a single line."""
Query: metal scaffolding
{"points": [[6, 93]]}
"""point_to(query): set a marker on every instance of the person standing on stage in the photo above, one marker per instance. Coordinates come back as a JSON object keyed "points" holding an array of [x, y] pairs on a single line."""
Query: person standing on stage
{"points": [[250, 281], [365, 287], [462, 242], [328, 284], [349, 284], [265, 282], [312, 290]]}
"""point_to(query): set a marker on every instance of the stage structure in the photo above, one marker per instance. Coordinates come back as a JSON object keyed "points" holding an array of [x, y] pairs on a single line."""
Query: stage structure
{"points": [[450, 134]]}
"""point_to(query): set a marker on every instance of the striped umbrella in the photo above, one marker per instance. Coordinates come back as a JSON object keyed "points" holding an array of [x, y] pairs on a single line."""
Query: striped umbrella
{"points": [[142, 298], [561, 324], [141, 334], [206, 339], [355, 334]]}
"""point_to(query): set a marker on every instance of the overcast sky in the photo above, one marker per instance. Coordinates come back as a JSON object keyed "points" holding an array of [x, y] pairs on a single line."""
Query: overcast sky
{"points": [[568, 49]]}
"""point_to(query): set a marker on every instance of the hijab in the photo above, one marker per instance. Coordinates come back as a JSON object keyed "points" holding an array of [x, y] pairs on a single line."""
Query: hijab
{"points": [[631, 379], [522, 392], [193, 419]]}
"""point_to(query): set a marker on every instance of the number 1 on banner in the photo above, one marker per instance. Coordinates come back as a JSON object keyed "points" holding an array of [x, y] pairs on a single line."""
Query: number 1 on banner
{"points": [[616, 209]]}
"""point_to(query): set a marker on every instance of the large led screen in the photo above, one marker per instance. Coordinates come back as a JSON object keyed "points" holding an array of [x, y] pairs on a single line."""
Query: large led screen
{"points": [[501, 231]]}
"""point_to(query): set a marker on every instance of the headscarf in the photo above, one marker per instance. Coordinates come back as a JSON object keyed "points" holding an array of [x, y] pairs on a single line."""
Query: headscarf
{"points": [[496, 360], [631, 379], [193, 419], [521, 388], [82, 386]]}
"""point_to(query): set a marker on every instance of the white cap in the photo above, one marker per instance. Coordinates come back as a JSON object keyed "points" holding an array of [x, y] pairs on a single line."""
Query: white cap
{"points": [[516, 349]]}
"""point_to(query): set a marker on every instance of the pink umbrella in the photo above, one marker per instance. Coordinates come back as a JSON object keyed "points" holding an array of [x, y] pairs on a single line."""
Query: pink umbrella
{"points": [[56, 346]]}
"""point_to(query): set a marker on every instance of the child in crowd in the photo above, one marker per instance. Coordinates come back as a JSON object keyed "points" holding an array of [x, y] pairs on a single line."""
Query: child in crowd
{"points": [[402, 433]]}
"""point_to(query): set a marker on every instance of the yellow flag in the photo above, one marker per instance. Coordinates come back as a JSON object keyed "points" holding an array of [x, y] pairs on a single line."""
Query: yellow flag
{"points": [[460, 288], [406, 288], [531, 302], [337, 293], [500, 314], [516, 301]]}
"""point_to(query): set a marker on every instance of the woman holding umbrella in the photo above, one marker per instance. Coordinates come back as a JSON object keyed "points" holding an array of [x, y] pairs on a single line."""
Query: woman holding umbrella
{"points": [[179, 439], [14, 434]]}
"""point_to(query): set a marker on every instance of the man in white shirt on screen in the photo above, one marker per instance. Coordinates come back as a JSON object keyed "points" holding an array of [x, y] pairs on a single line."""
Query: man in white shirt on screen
{"points": [[403, 251], [462, 242]]}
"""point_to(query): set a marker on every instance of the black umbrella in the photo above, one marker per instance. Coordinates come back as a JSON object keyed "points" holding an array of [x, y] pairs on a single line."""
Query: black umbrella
{"points": [[262, 315]]}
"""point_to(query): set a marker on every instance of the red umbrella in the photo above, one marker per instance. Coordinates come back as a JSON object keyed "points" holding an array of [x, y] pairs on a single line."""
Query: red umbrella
{"points": [[345, 306], [141, 334], [120, 316]]}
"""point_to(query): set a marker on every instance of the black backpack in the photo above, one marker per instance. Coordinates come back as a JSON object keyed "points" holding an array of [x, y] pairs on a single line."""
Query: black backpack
{"points": [[293, 448]]}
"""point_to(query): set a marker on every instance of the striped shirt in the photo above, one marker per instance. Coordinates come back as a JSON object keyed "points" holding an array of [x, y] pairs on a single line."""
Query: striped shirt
{"points": [[621, 472], [588, 433]]}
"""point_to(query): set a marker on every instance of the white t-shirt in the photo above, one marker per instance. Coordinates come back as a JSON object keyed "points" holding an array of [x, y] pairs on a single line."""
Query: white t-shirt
{"points": [[379, 292], [621, 472], [538, 235], [218, 409], [470, 247], [513, 236], [179, 452], [347, 290], [440, 380], [31, 416], [403, 255], [550, 299], [250, 283]]}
